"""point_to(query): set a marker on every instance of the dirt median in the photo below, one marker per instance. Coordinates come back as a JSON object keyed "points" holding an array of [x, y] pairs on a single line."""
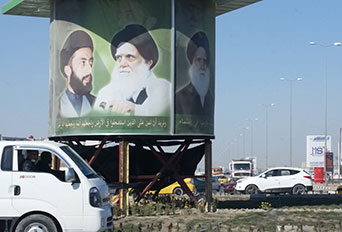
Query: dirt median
{"points": [[305, 218]]}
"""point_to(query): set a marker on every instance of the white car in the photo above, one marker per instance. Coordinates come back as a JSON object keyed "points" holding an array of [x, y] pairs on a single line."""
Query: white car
{"points": [[277, 180]]}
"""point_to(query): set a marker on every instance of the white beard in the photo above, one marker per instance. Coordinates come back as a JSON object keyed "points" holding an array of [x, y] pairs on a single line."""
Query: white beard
{"points": [[200, 80], [130, 84]]}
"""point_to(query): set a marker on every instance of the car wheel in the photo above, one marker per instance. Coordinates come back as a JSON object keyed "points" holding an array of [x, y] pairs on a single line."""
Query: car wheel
{"points": [[36, 222], [178, 191], [298, 189], [252, 189]]}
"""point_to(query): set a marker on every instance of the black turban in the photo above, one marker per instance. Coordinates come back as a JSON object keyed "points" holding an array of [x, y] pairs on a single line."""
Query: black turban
{"points": [[199, 39], [76, 40], [138, 36]]}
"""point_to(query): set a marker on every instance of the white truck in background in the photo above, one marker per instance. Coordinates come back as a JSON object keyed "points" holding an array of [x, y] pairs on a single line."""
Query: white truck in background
{"points": [[71, 199], [240, 168]]}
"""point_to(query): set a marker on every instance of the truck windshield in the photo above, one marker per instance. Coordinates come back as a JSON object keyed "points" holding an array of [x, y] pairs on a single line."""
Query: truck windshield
{"points": [[81, 164], [242, 167]]}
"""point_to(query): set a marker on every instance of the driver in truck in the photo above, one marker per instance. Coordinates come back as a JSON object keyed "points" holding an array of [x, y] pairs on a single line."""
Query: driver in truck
{"points": [[31, 159]]}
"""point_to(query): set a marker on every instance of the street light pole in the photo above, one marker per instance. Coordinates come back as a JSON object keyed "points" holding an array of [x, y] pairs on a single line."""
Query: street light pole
{"points": [[252, 145], [291, 93], [325, 46], [232, 150], [339, 157], [266, 153], [243, 142], [236, 141]]}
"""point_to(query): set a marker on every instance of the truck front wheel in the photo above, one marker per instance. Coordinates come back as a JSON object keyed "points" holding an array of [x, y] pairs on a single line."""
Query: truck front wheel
{"points": [[36, 223]]}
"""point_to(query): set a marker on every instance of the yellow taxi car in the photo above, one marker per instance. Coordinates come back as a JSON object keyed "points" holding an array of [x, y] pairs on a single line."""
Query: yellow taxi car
{"points": [[176, 189], [223, 179], [217, 171]]}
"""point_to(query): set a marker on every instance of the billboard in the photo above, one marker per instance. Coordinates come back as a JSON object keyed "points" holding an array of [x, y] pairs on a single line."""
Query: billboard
{"points": [[110, 67], [116, 67], [315, 150], [195, 77]]}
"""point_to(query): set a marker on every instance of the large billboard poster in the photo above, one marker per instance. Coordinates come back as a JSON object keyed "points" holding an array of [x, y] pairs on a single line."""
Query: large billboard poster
{"points": [[110, 67], [315, 150], [194, 71]]}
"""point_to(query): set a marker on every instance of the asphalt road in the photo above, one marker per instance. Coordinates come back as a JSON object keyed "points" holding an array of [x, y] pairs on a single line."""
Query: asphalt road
{"points": [[276, 200]]}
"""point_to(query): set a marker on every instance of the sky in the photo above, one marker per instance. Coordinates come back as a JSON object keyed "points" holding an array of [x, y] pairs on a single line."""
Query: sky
{"points": [[255, 47]]}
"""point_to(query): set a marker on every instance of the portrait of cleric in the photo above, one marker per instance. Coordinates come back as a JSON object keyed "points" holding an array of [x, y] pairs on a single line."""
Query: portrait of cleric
{"points": [[196, 97], [76, 62], [134, 89]]}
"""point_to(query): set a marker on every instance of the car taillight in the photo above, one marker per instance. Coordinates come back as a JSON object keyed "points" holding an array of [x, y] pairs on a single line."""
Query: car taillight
{"points": [[309, 177]]}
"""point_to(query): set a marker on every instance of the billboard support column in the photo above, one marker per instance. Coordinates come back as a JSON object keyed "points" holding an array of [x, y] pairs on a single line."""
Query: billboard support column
{"points": [[99, 149], [124, 175], [208, 171]]}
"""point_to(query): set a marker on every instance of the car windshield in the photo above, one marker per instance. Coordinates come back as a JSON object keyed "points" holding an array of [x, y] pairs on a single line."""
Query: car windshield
{"points": [[309, 173], [242, 166], [259, 173], [81, 164]]}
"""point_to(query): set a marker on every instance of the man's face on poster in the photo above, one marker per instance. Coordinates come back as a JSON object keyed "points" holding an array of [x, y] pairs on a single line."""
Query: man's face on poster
{"points": [[80, 70], [199, 71], [200, 60], [129, 60], [131, 68]]}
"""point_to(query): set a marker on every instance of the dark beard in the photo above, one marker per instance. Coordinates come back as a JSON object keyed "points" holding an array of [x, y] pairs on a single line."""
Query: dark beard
{"points": [[77, 85]]}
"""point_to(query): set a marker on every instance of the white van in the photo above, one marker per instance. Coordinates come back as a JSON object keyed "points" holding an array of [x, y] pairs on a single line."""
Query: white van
{"points": [[49, 198]]}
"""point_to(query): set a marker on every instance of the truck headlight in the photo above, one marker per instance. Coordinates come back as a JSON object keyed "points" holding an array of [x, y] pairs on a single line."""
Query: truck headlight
{"points": [[94, 197]]}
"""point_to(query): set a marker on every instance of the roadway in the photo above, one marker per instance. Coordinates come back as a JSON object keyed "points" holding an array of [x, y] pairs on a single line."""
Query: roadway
{"points": [[322, 194]]}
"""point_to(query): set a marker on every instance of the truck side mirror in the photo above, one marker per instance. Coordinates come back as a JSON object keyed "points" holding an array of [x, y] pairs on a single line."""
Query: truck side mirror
{"points": [[263, 176], [70, 175]]}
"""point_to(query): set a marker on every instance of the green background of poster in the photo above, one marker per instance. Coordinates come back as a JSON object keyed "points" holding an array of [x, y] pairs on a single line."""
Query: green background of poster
{"points": [[102, 19]]}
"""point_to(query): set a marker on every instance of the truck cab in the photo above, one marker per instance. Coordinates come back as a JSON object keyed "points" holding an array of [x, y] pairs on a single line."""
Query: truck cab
{"points": [[63, 195], [241, 168]]}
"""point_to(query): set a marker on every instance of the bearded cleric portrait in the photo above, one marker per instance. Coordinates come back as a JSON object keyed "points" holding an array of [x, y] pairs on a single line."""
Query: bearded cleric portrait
{"points": [[76, 62], [134, 89], [196, 97]]}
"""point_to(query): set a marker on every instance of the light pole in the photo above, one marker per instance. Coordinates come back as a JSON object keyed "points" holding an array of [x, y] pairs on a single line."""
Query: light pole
{"points": [[291, 90], [243, 135], [325, 96], [339, 157], [266, 108], [232, 149], [251, 121], [243, 143], [236, 142]]}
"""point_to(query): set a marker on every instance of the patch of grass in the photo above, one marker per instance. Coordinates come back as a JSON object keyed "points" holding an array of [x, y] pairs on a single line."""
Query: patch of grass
{"points": [[167, 213], [260, 220]]}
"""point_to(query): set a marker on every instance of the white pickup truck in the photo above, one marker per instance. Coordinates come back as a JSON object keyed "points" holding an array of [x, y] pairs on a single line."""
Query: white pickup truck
{"points": [[68, 197]]}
